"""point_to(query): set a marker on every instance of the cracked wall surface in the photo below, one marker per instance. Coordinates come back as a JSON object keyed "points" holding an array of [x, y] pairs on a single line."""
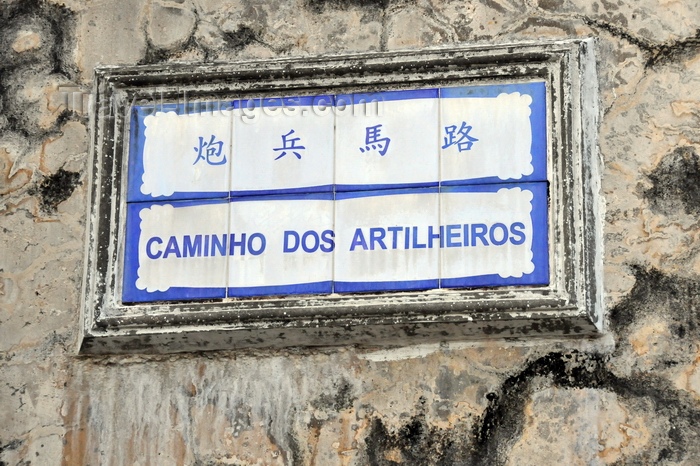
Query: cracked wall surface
{"points": [[629, 397]]}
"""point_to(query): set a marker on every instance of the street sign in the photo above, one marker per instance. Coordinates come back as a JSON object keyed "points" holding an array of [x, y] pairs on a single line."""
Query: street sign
{"points": [[387, 191], [378, 198]]}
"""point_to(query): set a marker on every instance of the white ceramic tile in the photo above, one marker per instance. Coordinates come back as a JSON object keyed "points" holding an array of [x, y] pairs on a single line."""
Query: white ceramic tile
{"points": [[494, 235], [175, 250], [180, 156], [289, 242], [284, 147], [383, 240], [491, 136], [391, 142]]}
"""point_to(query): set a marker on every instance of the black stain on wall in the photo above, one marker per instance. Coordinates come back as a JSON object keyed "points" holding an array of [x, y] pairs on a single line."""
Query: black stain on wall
{"points": [[503, 420], [155, 55], [241, 37], [675, 299], [532, 24], [11, 445], [340, 400], [676, 183], [448, 384], [655, 294], [294, 456], [417, 443], [56, 188], [318, 6], [54, 24], [657, 54], [52, 55], [488, 443], [675, 50], [235, 40]]}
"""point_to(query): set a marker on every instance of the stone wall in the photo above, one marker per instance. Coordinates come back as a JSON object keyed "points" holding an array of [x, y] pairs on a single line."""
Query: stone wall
{"points": [[629, 397]]}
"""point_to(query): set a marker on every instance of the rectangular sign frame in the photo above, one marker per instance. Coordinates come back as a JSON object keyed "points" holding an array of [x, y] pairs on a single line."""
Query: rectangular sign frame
{"points": [[570, 305]]}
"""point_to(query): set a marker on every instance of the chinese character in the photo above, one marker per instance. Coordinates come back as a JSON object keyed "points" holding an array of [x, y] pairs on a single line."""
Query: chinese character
{"points": [[210, 151], [461, 137], [289, 144], [373, 140]]}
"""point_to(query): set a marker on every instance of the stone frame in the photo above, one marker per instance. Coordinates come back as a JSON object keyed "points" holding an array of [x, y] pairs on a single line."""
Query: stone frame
{"points": [[570, 305]]}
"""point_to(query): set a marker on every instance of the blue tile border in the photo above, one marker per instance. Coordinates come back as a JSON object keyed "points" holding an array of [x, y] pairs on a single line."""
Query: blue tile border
{"points": [[276, 196], [340, 188], [403, 285], [131, 294], [493, 280], [540, 245], [537, 90], [385, 96], [174, 294], [385, 192], [137, 141], [495, 187], [536, 182], [538, 119], [540, 240], [492, 90], [248, 194], [324, 287]]}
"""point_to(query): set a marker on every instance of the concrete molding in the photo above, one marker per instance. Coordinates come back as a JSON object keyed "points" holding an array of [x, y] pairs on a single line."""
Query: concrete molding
{"points": [[571, 305]]}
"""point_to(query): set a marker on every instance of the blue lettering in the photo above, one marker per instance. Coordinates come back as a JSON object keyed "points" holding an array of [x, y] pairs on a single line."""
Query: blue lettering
{"points": [[316, 241], [172, 248], [479, 232], [232, 244], [504, 234], [376, 235], [416, 244], [218, 245], [358, 240], [190, 249], [295, 236], [515, 231], [451, 235], [150, 255], [254, 236], [327, 237], [432, 235], [394, 236]]}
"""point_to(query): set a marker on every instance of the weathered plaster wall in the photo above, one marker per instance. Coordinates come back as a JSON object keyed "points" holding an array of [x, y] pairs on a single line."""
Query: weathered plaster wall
{"points": [[631, 397]]}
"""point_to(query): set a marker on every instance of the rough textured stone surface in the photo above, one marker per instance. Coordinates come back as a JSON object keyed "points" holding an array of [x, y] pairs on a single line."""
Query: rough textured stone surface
{"points": [[109, 33], [170, 24], [631, 397]]}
